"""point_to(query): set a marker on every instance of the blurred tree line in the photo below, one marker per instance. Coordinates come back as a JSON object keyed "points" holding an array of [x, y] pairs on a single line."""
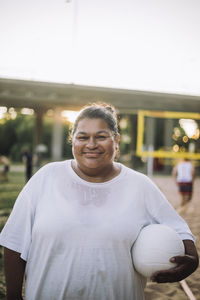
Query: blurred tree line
{"points": [[18, 134]]}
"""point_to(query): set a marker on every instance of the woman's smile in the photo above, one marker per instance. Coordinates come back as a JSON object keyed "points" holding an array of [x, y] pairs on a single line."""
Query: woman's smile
{"points": [[91, 154]]}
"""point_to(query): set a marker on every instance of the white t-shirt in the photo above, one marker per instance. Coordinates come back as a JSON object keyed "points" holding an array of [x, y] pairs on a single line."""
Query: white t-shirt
{"points": [[184, 172], [76, 236]]}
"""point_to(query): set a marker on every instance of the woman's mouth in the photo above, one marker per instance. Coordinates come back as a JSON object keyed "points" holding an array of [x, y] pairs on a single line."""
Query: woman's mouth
{"points": [[92, 154]]}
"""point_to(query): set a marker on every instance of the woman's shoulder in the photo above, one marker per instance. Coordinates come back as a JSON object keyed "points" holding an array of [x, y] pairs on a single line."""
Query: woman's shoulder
{"points": [[54, 165], [136, 175], [52, 168]]}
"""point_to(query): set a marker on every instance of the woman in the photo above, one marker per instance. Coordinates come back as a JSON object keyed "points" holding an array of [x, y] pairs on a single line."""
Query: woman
{"points": [[74, 223]]}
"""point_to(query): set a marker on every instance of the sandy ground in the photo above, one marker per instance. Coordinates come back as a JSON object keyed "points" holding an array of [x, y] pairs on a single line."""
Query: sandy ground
{"points": [[191, 214]]}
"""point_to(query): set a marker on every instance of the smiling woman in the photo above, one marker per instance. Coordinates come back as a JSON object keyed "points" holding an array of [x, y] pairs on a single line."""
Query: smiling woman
{"points": [[75, 222], [95, 143]]}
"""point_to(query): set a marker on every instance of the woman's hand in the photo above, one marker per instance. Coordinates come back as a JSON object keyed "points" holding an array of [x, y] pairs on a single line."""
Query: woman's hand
{"points": [[185, 265]]}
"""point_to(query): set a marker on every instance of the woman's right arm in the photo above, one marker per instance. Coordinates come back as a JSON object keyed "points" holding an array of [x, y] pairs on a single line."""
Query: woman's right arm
{"points": [[14, 267]]}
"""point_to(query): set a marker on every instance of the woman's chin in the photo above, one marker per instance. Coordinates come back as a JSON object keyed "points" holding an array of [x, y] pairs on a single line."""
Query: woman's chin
{"points": [[93, 163]]}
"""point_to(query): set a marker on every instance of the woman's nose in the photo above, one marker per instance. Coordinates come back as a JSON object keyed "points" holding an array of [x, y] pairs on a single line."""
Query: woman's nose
{"points": [[91, 143]]}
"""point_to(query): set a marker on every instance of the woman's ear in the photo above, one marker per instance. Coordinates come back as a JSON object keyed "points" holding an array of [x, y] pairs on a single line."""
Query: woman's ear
{"points": [[117, 138]]}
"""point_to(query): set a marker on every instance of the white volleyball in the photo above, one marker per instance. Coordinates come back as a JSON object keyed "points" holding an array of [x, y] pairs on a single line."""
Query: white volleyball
{"points": [[153, 248]]}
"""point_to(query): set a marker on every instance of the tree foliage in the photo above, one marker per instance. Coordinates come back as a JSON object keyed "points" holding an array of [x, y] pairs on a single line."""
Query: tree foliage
{"points": [[18, 134], [15, 135]]}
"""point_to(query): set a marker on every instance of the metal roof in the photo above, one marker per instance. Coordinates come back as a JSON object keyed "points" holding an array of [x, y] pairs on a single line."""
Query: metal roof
{"points": [[46, 95]]}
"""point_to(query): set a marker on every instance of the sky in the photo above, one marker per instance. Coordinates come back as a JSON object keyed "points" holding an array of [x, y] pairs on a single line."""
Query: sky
{"points": [[150, 45]]}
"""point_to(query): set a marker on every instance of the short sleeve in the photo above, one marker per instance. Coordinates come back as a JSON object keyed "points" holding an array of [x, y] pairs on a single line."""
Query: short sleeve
{"points": [[17, 232]]}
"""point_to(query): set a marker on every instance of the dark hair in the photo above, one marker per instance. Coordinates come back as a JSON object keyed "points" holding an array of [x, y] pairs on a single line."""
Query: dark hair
{"points": [[99, 110]]}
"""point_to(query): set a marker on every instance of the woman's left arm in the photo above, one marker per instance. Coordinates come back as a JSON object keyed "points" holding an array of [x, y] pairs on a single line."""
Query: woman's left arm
{"points": [[186, 265]]}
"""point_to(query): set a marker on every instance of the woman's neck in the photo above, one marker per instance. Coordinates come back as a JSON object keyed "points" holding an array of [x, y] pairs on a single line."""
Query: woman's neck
{"points": [[97, 175]]}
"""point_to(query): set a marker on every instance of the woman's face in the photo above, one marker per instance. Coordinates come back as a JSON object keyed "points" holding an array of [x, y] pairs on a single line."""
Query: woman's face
{"points": [[94, 144]]}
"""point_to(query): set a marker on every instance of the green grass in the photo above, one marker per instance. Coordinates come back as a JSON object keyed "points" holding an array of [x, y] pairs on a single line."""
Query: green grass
{"points": [[8, 194]]}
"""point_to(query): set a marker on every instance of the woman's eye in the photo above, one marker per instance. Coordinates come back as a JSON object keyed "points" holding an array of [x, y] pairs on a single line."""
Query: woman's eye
{"points": [[82, 138], [101, 137]]}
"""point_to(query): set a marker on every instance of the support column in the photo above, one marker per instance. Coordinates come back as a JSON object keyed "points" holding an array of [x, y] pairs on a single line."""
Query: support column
{"points": [[39, 147], [150, 141], [57, 138], [38, 127], [133, 122], [168, 132]]}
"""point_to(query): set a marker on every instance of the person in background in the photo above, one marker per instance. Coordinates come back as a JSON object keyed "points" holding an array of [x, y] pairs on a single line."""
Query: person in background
{"points": [[184, 175], [6, 166], [74, 223], [27, 157]]}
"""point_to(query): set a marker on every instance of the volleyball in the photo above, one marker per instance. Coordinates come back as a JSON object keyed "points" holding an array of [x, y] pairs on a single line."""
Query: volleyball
{"points": [[153, 248]]}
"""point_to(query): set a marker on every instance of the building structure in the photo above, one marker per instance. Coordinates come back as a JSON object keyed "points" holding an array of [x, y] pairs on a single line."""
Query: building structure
{"points": [[42, 96]]}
